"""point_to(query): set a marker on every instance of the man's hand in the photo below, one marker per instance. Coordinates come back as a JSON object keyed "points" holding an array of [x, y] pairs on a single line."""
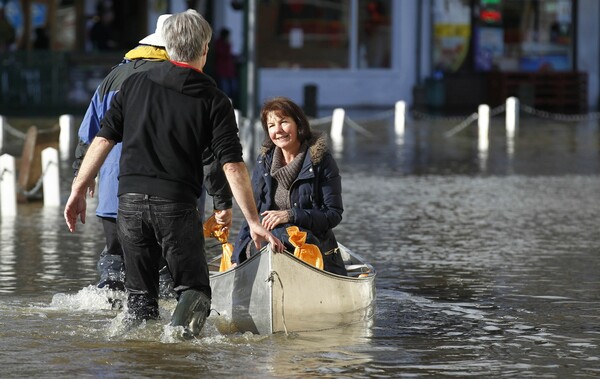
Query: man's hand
{"points": [[224, 218], [84, 181], [76, 206], [259, 234]]}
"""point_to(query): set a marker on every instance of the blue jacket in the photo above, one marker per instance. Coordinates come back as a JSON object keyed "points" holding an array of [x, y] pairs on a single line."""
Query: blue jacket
{"points": [[315, 195], [109, 172]]}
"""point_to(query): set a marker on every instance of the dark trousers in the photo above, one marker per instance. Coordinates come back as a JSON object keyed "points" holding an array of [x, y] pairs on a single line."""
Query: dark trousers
{"points": [[151, 227], [110, 264], [113, 246]]}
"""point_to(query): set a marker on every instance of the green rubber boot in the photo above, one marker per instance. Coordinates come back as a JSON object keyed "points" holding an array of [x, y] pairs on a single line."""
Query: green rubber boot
{"points": [[193, 307]]}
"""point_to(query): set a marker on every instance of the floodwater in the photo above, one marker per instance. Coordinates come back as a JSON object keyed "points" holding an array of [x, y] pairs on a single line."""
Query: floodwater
{"points": [[488, 266]]}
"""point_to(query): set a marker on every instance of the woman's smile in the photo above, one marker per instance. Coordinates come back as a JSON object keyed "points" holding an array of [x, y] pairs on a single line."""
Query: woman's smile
{"points": [[283, 131]]}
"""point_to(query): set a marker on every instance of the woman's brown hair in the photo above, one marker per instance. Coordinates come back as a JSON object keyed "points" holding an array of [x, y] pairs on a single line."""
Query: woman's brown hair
{"points": [[282, 106]]}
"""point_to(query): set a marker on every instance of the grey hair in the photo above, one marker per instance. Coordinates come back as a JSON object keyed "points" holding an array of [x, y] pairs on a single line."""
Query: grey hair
{"points": [[186, 35]]}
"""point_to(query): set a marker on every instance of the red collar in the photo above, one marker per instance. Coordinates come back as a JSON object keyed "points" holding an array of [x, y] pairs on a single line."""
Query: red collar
{"points": [[181, 64]]}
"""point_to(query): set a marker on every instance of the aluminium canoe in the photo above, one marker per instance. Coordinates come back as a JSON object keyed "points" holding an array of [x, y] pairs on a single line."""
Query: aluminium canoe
{"points": [[272, 293]]}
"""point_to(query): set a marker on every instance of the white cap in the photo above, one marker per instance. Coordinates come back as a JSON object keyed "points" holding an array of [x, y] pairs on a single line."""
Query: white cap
{"points": [[156, 38]]}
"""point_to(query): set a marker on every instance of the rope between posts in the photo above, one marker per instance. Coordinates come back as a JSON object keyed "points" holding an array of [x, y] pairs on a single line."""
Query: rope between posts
{"points": [[14, 132], [2, 173], [499, 109], [474, 116], [384, 115], [359, 128], [271, 279], [320, 121], [425, 116], [38, 184], [560, 116], [380, 116]]}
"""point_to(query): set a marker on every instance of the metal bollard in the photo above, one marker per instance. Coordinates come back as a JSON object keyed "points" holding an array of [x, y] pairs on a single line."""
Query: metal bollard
{"points": [[337, 127], [483, 124], [512, 116], [51, 177], [8, 185], [2, 123], [337, 124], [66, 122], [512, 123], [400, 118]]}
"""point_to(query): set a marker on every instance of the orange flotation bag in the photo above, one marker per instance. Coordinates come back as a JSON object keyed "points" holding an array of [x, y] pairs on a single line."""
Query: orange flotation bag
{"points": [[306, 252], [212, 229]]}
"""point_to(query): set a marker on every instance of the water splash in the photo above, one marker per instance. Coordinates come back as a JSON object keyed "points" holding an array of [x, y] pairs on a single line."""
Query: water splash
{"points": [[89, 298]]}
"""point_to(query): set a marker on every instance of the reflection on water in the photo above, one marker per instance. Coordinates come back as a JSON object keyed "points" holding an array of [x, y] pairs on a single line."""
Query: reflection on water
{"points": [[7, 255], [538, 148], [488, 266]]}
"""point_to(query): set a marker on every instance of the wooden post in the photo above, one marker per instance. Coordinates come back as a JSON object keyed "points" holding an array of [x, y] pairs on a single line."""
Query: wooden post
{"points": [[26, 179], [30, 167]]}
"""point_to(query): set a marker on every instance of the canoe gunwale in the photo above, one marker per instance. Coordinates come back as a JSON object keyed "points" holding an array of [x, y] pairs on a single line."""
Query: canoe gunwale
{"points": [[370, 270]]}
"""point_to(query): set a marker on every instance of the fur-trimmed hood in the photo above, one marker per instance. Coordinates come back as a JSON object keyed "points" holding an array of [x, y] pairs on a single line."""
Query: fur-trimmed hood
{"points": [[317, 147]]}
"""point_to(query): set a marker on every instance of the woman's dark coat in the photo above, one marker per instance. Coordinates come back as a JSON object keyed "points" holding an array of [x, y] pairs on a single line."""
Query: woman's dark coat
{"points": [[315, 195]]}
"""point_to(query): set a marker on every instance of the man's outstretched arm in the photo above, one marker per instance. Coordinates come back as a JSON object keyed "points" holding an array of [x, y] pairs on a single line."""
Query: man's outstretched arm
{"points": [[94, 158]]}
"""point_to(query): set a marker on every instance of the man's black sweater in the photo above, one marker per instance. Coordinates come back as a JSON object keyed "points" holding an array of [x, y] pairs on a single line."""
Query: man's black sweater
{"points": [[166, 117]]}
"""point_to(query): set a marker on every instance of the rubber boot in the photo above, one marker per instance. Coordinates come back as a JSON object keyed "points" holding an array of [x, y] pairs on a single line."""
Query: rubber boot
{"points": [[142, 307], [112, 271], [191, 312]]}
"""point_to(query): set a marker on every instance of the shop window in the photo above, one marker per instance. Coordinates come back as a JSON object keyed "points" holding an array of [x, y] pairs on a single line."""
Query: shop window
{"points": [[507, 35], [451, 34], [374, 33], [303, 33], [528, 36]]}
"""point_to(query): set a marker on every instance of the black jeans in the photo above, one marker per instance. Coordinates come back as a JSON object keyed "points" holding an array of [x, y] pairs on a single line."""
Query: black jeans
{"points": [[151, 227]]}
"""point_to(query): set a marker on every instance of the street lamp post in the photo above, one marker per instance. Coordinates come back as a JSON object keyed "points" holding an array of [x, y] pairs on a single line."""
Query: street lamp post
{"points": [[251, 71]]}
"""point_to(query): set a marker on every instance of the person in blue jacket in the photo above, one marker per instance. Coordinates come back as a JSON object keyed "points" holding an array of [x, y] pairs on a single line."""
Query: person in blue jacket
{"points": [[295, 181], [147, 55]]}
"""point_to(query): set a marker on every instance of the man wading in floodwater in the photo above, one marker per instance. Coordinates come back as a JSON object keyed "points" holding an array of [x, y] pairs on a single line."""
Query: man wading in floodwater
{"points": [[166, 117]]}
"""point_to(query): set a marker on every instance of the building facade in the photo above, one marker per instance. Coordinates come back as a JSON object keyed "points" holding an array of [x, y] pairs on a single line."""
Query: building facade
{"points": [[444, 55], [373, 53]]}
